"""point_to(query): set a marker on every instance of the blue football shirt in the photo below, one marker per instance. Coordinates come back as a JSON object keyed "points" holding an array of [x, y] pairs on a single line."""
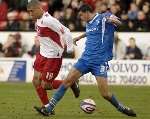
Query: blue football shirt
{"points": [[99, 42]]}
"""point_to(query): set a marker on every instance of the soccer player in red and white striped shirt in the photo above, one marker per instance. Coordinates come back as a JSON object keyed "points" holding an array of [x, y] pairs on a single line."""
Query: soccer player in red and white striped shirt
{"points": [[54, 38]]}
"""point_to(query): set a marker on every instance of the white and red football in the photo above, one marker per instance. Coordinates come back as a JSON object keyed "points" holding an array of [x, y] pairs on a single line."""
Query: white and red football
{"points": [[88, 106]]}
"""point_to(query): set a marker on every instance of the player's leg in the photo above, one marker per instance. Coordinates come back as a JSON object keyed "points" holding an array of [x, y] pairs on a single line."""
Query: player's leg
{"points": [[52, 85], [47, 83], [53, 66], [103, 88], [101, 77], [71, 78], [74, 74], [104, 91], [41, 83], [38, 70], [56, 83], [41, 92], [44, 86]]}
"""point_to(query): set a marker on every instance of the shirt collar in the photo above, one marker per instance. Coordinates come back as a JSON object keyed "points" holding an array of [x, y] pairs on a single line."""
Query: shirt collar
{"points": [[94, 18]]}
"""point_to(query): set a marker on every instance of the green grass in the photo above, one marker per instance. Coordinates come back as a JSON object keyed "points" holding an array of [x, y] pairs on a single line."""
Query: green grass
{"points": [[17, 101]]}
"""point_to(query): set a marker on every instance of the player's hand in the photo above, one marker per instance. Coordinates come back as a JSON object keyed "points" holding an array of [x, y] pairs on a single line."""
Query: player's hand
{"points": [[114, 20], [110, 19]]}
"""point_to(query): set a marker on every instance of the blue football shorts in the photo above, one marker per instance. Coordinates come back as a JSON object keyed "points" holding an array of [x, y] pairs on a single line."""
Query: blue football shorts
{"points": [[97, 70]]}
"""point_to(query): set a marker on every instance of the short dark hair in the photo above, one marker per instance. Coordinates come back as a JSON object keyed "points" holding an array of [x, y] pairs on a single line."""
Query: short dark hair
{"points": [[33, 3], [85, 8]]}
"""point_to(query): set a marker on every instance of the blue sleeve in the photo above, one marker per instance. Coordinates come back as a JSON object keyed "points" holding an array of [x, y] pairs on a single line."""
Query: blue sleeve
{"points": [[106, 14]]}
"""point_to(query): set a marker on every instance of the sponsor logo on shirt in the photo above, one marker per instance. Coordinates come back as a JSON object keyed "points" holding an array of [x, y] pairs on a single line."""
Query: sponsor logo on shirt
{"points": [[92, 29]]}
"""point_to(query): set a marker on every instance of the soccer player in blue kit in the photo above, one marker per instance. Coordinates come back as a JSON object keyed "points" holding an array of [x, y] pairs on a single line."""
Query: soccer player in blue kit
{"points": [[100, 30]]}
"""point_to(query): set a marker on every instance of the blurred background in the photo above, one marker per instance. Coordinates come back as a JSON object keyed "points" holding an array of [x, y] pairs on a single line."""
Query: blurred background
{"points": [[19, 44]]}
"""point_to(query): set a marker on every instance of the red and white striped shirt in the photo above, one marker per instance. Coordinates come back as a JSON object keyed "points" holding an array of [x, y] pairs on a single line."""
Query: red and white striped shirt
{"points": [[53, 37]]}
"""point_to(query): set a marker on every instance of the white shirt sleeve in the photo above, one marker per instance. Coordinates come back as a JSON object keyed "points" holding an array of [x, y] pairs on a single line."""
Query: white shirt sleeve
{"points": [[63, 31], [67, 36], [53, 24]]}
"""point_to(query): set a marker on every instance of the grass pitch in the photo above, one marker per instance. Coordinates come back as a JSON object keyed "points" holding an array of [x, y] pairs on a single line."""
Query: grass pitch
{"points": [[17, 101]]}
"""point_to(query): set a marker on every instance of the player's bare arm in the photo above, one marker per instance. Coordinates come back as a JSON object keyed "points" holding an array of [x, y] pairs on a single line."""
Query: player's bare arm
{"points": [[114, 20], [78, 38]]}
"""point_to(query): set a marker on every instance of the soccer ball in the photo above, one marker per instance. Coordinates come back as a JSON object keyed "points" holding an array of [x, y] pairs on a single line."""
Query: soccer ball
{"points": [[88, 106]]}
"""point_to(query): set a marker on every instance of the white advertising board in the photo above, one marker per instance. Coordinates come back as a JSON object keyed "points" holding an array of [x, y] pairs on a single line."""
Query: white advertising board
{"points": [[122, 72], [5, 69], [129, 72], [13, 69]]}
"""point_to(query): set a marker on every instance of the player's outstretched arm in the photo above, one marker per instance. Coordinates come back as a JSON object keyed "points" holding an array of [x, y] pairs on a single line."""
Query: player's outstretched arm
{"points": [[114, 20], [78, 38]]}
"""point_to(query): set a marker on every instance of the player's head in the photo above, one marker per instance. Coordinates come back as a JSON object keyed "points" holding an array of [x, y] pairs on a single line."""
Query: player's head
{"points": [[85, 12], [35, 10]]}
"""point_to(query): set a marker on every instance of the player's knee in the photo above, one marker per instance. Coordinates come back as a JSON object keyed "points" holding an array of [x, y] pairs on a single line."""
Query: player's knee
{"points": [[43, 85], [68, 82], [46, 86]]}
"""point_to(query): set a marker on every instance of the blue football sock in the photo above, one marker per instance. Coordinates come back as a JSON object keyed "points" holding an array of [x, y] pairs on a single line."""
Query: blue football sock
{"points": [[56, 98], [114, 101]]}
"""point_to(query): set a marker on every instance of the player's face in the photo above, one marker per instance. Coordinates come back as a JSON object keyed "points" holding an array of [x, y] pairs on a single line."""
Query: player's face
{"points": [[35, 12], [84, 16]]}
